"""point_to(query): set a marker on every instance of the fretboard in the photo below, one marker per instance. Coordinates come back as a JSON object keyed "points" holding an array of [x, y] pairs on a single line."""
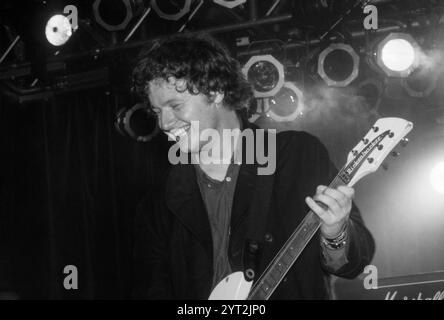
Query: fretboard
{"points": [[279, 266]]}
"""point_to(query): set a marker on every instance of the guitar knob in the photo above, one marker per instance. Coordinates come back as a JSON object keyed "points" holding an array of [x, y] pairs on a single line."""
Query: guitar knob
{"points": [[391, 135], [404, 141], [380, 147], [370, 160], [355, 153], [365, 141], [375, 129], [249, 274]]}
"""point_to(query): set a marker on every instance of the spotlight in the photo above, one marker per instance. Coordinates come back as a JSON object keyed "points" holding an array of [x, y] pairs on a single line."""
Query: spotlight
{"points": [[338, 65], [58, 30], [421, 82], [371, 90], [287, 105], [266, 74], [437, 177], [138, 122], [229, 3], [113, 15], [397, 55], [171, 5]]}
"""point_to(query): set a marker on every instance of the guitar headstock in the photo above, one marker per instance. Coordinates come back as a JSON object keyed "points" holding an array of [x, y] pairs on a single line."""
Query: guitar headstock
{"points": [[370, 152]]}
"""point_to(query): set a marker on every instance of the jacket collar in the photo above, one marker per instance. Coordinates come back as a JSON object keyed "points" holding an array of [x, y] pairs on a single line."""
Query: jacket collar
{"points": [[184, 199]]}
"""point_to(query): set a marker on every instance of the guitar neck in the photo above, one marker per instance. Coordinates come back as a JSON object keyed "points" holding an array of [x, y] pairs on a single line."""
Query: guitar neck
{"points": [[279, 266]]}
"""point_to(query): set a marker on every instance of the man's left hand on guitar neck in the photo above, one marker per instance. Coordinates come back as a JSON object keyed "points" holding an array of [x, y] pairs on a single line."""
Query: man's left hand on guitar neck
{"points": [[337, 206]]}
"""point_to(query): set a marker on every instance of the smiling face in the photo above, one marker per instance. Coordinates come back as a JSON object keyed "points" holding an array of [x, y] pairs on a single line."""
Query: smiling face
{"points": [[176, 109]]}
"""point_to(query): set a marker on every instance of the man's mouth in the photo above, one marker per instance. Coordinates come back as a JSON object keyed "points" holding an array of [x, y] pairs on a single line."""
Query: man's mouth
{"points": [[178, 133]]}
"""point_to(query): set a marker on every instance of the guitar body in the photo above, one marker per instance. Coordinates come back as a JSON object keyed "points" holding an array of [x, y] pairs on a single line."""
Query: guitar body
{"points": [[232, 287]]}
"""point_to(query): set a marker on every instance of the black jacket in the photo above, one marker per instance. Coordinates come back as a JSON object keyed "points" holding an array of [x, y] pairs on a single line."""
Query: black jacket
{"points": [[173, 244]]}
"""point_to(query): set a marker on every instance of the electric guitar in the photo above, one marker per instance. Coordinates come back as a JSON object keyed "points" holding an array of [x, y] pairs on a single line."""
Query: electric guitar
{"points": [[365, 158]]}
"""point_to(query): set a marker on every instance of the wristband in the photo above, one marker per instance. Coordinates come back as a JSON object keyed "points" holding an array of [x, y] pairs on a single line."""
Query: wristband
{"points": [[337, 242]]}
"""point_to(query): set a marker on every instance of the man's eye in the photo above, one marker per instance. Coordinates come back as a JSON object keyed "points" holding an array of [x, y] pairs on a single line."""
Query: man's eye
{"points": [[177, 106]]}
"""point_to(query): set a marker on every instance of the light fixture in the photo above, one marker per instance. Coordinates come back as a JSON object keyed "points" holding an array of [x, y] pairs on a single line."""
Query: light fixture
{"points": [[338, 65], [371, 91], [437, 177], [58, 30], [138, 122], [287, 105], [171, 16], [421, 82], [266, 74], [397, 55], [113, 15], [229, 3]]}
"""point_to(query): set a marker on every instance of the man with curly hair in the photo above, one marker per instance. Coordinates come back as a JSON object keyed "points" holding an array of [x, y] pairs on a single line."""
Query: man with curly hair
{"points": [[193, 230]]}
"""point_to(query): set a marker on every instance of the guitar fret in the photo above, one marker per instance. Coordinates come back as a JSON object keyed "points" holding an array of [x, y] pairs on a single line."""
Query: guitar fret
{"points": [[272, 277], [285, 259]]}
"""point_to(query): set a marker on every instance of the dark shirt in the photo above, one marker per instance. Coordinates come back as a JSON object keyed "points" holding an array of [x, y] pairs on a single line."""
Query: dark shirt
{"points": [[218, 198]]}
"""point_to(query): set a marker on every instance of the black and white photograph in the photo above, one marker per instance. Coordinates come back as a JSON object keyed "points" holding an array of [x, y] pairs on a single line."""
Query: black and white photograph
{"points": [[225, 150]]}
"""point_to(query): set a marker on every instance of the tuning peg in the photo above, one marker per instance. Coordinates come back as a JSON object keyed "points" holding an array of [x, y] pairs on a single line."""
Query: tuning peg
{"points": [[394, 154], [404, 141], [375, 129], [380, 147], [385, 166], [391, 134], [365, 141], [370, 160]]}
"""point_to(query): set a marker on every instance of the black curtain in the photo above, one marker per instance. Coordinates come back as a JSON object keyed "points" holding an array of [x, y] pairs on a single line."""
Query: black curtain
{"points": [[70, 185]]}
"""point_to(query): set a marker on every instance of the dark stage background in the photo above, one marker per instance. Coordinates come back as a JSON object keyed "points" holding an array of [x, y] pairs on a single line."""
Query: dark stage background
{"points": [[70, 185]]}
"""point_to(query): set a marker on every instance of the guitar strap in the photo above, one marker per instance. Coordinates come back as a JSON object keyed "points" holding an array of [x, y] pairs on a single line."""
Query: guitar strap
{"points": [[257, 218]]}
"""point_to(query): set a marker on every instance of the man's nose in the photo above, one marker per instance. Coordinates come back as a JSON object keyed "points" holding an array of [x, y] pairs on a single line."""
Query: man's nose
{"points": [[166, 119]]}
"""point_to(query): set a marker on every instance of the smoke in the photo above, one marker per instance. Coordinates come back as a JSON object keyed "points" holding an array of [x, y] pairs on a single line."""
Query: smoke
{"points": [[339, 117], [343, 105], [327, 110], [431, 59]]}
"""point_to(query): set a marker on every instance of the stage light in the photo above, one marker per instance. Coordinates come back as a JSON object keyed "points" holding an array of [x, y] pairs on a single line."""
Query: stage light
{"points": [[113, 15], [229, 3], [58, 30], [397, 55], [437, 177], [266, 74], [371, 90], [338, 65], [138, 122], [287, 105], [171, 16], [421, 82]]}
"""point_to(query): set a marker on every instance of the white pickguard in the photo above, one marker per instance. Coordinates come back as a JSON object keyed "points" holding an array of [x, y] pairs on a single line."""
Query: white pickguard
{"points": [[232, 287]]}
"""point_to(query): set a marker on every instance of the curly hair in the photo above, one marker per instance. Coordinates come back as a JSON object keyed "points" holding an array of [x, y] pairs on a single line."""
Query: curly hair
{"points": [[202, 62]]}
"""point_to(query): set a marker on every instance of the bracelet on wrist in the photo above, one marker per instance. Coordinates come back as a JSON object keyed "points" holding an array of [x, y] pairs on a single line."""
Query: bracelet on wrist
{"points": [[338, 242]]}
